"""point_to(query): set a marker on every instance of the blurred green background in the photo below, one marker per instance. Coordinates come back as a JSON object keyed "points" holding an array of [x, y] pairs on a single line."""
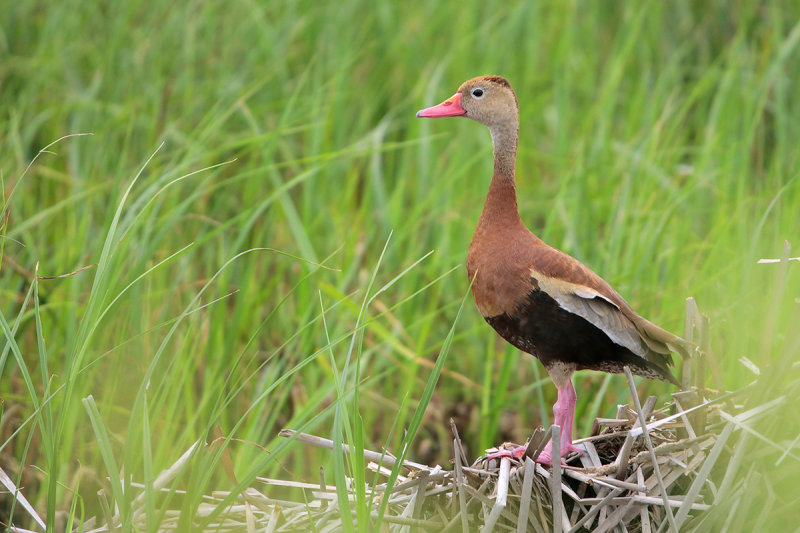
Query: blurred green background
{"points": [[291, 254]]}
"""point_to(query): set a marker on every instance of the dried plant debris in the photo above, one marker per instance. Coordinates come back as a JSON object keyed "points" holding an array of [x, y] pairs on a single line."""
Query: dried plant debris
{"points": [[691, 465], [620, 482]]}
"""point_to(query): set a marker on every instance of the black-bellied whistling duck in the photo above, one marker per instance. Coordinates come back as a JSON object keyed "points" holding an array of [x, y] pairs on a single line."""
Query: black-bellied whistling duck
{"points": [[538, 298]]}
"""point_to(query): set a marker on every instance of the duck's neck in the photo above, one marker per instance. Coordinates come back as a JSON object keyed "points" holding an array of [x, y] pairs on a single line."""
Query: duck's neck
{"points": [[501, 201]]}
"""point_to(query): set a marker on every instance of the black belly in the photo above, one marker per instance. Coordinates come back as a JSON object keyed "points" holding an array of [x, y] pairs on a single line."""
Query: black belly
{"points": [[546, 330]]}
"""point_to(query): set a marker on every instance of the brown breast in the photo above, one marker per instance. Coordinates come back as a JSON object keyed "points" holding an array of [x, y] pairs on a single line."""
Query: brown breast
{"points": [[499, 262]]}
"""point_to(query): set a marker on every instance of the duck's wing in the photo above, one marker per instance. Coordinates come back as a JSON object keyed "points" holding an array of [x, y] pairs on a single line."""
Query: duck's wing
{"points": [[580, 291]]}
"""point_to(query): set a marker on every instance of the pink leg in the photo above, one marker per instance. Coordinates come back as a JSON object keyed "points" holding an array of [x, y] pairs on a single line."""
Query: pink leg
{"points": [[564, 411]]}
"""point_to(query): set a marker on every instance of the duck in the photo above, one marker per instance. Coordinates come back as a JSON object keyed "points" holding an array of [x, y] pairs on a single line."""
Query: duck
{"points": [[538, 298]]}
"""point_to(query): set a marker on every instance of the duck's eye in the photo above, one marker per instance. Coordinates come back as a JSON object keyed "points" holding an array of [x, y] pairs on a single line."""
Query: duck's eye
{"points": [[477, 93]]}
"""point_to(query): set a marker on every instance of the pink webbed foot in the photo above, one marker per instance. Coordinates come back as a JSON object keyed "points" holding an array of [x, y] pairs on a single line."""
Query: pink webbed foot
{"points": [[546, 457], [515, 453], [571, 448]]}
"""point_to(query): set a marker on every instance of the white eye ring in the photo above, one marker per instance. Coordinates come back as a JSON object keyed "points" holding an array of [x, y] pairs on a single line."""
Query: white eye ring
{"points": [[477, 92]]}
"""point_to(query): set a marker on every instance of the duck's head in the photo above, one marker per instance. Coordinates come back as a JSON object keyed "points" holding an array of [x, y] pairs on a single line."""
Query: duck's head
{"points": [[489, 100]]}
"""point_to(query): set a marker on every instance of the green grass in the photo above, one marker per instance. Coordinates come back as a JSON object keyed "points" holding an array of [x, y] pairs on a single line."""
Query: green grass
{"points": [[270, 265]]}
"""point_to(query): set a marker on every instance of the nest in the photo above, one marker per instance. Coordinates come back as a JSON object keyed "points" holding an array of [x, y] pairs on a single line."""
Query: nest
{"points": [[633, 476], [643, 477]]}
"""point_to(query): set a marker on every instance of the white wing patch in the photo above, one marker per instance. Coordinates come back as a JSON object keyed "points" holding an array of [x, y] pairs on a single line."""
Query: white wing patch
{"points": [[596, 309]]}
